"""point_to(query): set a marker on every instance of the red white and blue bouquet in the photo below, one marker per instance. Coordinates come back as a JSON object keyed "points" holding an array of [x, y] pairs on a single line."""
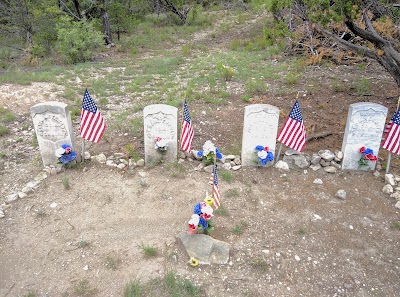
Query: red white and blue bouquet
{"points": [[201, 218], [367, 154], [264, 155], [65, 154], [209, 152]]}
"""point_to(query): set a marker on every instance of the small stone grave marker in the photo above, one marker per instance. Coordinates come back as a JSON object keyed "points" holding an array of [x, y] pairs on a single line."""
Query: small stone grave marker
{"points": [[364, 127], [160, 120], [53, 127], [260, 127]]}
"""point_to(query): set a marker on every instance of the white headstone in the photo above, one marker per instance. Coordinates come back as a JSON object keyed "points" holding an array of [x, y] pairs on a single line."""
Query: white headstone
{"points": [[160, 120], [260, 127], [53, 127], [364, 127]]}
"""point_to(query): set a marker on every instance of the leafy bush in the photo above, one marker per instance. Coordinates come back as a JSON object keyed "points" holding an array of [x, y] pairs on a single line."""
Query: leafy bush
{"points": [[77, 41]]}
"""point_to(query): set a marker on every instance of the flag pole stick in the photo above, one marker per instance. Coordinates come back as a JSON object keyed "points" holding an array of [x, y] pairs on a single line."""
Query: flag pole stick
{"points": [[390, 154], [279, 152], [83, 150], [183, 118]]}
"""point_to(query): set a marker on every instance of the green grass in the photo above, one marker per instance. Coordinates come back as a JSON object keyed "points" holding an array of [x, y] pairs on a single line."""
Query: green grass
{"points": [[237, 230], [301, 231], [222, 211], [84, 288], [133, 289], [260, 265], [226, 176], [169, 285], [2, 155], [234, 192], [149, 251], [66, 184], [6, 116], [4, 130], [396, 225]]}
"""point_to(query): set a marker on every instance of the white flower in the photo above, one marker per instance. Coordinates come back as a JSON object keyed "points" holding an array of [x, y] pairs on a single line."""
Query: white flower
{"points": [[161, 143], [262, 154], [59, 152], [194, 220], [207, 210], [208, 147]]}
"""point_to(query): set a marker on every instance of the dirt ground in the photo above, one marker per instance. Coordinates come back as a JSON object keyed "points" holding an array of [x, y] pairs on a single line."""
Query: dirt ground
{"points": [[298, 239]]}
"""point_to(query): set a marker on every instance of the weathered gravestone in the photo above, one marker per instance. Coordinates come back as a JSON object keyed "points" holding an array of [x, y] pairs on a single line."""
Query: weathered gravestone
{"points": [[161, 121], [260, 127], [364, 127], [53, 127]]}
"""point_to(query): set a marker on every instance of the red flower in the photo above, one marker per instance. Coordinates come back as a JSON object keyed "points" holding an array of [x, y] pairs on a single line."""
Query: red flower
{"points": [[68, 150], [266, 148], [192, 228], [362, 149], [157, 139], [371, 157]]}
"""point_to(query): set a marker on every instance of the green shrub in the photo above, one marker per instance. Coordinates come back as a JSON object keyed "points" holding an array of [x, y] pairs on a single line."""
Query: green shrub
{"points": [[77, 41]]}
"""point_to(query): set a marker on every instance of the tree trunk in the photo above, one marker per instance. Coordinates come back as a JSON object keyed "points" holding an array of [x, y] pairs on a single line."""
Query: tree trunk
{"points": [[106, 27]]}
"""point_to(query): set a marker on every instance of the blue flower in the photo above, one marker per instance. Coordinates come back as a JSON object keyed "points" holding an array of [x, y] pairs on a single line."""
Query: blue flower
{"points": [[64, 146], [200, 154], [203, 223], [368, 151], [197, 209], [64, 159], [270, 157], [263, 162], [218, 154], [259, 148]]}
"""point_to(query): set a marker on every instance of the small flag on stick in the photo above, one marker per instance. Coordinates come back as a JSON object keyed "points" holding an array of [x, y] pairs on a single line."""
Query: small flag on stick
{"points": [[187, 129], [92, 123], [392, 139], [214, 188], [293, 132]]}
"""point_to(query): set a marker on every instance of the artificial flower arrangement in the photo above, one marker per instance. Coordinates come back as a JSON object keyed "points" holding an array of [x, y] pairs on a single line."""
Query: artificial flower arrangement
{"points": [[264, 155], [201, 218], [367, 155], [208, 153], [65, 154], [160, 144]]}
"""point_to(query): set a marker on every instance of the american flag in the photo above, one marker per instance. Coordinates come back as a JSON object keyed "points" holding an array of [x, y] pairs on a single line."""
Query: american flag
{"points": [[215, 188], [392, 140], [293, 132], [92, 123], [187, 129]]}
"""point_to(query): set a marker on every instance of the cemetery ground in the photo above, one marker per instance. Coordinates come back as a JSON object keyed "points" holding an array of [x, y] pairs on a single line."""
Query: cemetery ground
{"points": [[92, 230]]}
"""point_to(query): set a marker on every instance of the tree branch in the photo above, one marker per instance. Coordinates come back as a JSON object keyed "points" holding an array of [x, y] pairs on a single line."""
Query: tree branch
{"points": [[372, 29], [357, 48]]}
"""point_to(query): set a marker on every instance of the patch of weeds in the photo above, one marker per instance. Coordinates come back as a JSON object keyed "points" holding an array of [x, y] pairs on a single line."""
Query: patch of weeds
{"points": [[133, 289], [292, 78], [232, 193], [176, 286], [176, 169], [237, 230], [226, 176], [131, 152], [30, 294], [339, 87], [82, 244], [4, 130], [19, 139], [225, 72], [256, 86], [363, 86], [149, 251], [260, 265], [41, 213], [2, 155], [34, 141], [301, 231], [112, 262], [396, 225], [186, 50], [245, 98], [83, 288], [103, 101], [66, 183], [222, 211], [6, 116]]}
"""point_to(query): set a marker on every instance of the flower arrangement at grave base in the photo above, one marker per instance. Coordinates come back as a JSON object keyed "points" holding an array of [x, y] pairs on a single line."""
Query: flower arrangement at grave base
{"points": [[160, 144], [200, 221], [209, 152], [264, 155], [367, 154], [65, 154]]}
